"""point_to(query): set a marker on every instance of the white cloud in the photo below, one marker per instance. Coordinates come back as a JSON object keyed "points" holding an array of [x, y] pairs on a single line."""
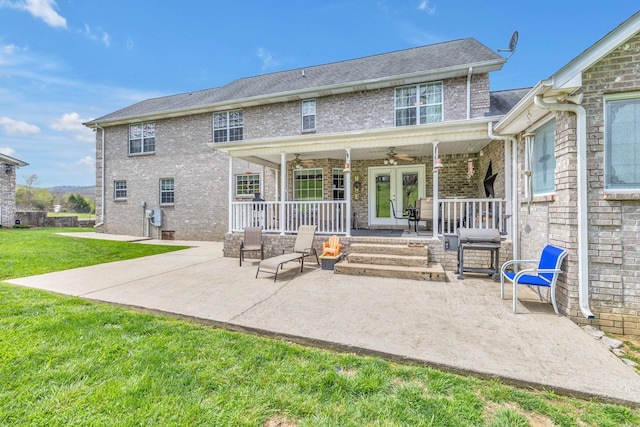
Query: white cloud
{"points": [[87, 161], [8, 151], [424, 7], [97, 35], [72, 123], [267, 59], [15, 127], [41, 9]]}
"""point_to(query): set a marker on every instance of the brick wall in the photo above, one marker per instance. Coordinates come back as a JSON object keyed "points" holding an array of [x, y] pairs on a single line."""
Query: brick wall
{"points": [[7, 196]]}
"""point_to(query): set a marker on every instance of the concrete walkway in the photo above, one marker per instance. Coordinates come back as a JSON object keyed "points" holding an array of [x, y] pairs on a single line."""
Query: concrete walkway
{"points": [[460, 326]]}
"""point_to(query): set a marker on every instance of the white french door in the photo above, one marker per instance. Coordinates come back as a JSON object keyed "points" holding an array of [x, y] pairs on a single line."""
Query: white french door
{"points": [[402, 185]]}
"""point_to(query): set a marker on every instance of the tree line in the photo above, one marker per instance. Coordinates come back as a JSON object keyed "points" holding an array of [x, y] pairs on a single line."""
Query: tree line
{"points": [[31, 198]]}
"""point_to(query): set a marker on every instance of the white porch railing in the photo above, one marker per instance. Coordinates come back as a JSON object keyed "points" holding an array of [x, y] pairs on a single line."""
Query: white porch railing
{"points": [[329, 216], [471, 213]]}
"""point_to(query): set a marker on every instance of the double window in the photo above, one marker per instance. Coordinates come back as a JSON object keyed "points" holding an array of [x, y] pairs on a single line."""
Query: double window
{"points": [[228, 126], [419, 104], [248, 183], [167, 191], [542, 159], [309, 115], [307, 184], [120, 190], [142, 138], [622, 142]]}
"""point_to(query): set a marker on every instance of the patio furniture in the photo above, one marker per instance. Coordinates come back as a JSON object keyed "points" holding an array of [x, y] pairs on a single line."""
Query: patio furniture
{"points": [[252, 242], [425, 213], [479, 239], [302, 247], [545, 275], [331, 247], [412, 215]]}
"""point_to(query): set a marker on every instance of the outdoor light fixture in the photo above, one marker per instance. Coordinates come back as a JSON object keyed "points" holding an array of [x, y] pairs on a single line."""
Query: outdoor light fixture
{"points": [[437, 164], [470, 168], [8, 169]]}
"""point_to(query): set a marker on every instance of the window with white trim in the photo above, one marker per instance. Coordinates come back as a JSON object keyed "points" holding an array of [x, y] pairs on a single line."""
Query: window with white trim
{"points": [[338, 184], [142, 138], [622, 142], [228, 126], [167, 191], [543, 159], [309, 114], [307, 184], [247, 184], [419, 104], [120, 190]]}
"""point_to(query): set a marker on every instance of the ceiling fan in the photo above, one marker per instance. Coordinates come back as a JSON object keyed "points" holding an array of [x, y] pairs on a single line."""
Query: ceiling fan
{"points": [[299, 163], [393, 157]]}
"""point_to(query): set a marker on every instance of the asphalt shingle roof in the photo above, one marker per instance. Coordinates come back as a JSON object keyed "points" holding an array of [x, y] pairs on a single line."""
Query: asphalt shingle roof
{"points": [[502, 101], [424, 59]]}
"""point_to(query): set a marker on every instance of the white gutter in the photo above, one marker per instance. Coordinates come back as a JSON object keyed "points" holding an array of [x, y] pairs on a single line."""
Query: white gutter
{"points": [[583, 235], [469, 74], [511, 186], [102, 175]]}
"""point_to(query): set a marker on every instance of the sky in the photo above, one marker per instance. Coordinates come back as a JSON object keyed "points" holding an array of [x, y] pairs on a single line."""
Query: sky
{"points": [[65, 62]]}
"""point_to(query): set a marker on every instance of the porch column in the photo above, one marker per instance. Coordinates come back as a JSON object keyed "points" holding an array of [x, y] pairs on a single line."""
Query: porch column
{"points": [[283, 191], [347, 189], [436, 209], [230, 196], [508, 182]]}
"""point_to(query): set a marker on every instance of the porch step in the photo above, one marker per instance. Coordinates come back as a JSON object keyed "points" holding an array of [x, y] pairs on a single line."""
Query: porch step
{"points": [[401, 261], [389, 249], [385, 259], [435, 273]]}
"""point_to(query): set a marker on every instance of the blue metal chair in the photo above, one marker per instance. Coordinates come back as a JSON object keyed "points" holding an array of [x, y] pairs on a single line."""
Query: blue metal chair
{"points": [[545, 275]]}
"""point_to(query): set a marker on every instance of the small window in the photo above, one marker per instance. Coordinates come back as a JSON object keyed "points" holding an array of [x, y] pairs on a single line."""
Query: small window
{"points": [[142, 138], [228, 126], [167, 193], [338, 184], [543, 159], [309, 115], [622, 142], [247, 184], [418, 105], [120, 190], [307, 184]]}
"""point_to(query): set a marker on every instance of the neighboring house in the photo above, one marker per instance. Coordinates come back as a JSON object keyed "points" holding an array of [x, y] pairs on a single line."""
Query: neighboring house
{"points": [[578, 133], [323, 144], [8, 166]]}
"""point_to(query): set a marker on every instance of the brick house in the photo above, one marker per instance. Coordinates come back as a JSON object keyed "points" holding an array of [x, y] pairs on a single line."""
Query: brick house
{"points": [[8, 166], [578, 133], [329, 144]]}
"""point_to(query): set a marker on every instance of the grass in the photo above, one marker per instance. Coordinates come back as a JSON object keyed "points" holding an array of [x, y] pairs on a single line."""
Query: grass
{"points": [[65, 361], [27, 251]]}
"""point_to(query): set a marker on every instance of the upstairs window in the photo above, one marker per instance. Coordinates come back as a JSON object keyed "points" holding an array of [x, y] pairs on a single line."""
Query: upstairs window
{"points": [[167, 191], [142, 138], [418, 105], [309, 115], [120, 190], [247, 184], [622, 142], [228, 126], [307, 184]]}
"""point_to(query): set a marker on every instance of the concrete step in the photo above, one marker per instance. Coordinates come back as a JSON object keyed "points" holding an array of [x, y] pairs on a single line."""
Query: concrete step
{"points": [[434, 273], [387, 259], [416, 249]]}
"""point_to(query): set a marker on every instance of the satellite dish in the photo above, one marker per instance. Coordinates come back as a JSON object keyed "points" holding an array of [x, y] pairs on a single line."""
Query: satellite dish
{"points": [[512, 44]]}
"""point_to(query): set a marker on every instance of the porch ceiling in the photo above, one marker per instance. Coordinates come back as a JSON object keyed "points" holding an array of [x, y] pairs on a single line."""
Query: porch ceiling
{"points": [[465, 136]]}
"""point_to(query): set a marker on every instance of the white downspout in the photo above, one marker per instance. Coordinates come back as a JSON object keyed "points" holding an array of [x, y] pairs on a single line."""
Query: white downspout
{"points": [[469, 74], [230, 196], [436, 204], [511, 186], [283, 190], [102, 175], [583, 235], [347, 189]]}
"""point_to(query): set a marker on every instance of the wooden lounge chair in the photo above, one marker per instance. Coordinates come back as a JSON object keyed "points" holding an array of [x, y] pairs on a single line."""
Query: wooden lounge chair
{"points": [[332, 247], [302, 247], [252, 242]]}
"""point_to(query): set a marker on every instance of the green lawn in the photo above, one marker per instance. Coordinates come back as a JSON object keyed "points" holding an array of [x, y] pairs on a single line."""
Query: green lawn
{"points": [[67, 361]]}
